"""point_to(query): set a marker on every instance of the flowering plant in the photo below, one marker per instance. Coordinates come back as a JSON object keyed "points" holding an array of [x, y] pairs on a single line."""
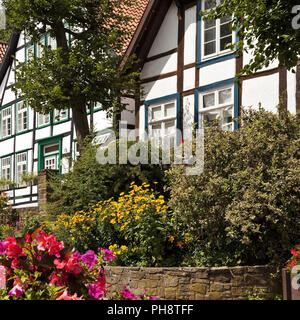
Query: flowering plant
{"points": [[295, 259], [39, 267]]}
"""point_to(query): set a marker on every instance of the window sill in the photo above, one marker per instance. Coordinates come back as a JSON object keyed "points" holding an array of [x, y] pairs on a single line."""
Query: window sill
{"points": [[216, 59]]}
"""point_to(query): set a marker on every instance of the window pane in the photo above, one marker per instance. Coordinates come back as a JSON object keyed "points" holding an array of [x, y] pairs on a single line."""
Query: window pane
{"points": [[225, 96], [209, 48], [224, 42], [208, 4], [225, 19], [156, 113], [170, 127], [225, 30], [210, 35], [170, 110], [51, 149], [210, 116], [209, 23], [156, 130], [209, 100]]}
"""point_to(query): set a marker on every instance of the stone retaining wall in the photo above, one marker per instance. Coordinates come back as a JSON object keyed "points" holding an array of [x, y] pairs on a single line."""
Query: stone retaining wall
{"points": [[197, 283]]}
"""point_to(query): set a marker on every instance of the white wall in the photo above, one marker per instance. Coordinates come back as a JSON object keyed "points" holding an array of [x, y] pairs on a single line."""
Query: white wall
{"points": [[167, 36], [190, 35]]}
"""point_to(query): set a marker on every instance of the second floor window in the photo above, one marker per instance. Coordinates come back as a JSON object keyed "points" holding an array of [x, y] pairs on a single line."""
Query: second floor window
{"points": [[216, 34], [21, 165], [22, 117], [43, 119], [60, 115], [6, 168], [6, 122]]}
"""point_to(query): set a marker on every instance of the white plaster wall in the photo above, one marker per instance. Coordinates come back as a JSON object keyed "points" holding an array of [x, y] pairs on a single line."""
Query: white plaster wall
{"points": [[30, 118], [101, 122], [167, 36], [160, 88], [24, 141], [291, 92], [264, 90], [128, 115], [217, 72], [61, 128], [189, 79], [160, 66], [7, 147], [9, 96], [42, 133], [188, 116], [66, 141], [248, 56], [11, 78], [190, 35], [142, 122], [20, 55], [2, 85]]}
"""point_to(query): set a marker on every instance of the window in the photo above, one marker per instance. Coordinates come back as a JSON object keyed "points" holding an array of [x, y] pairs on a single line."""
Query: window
{"points": [[61, 115], [39, 48], [6, 122], [6, 168], [51, 155], [52, 43], [218, 105], [162, 121], [43, 119], [22, 116], [216, 34], [21, 165], [29, 52]]}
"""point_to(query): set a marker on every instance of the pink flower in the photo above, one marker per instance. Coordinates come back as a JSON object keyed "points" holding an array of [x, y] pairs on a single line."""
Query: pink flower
{"points": [[49, 242], [12, 249], [109, 255], [28, 238], [2, 248], [69, 265], [127, 294], [89, 258], [65, 296], [16, 291], [95, 291], [14, 264]]}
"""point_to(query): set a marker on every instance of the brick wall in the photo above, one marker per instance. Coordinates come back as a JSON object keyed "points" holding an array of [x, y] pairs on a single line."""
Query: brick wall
{"points": [[196, 283]]}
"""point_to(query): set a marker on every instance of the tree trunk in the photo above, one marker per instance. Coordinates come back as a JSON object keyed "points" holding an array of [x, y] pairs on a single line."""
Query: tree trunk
{"points": [[78, 103], [81, 123]]}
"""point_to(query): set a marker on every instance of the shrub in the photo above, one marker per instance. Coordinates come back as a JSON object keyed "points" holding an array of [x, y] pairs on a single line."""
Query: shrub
{"points": [[244, 207], [138, 223], [89, 182]]}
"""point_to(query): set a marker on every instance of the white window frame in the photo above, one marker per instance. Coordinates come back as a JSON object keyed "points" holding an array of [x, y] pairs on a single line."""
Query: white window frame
{"points": [[22, 116], [163, 120], [8, 166], [30, 56], [52, 43], [58, 115], [41, 119], [218, 107], [21, 164], [218, 52], [51, 156], [7, 119]]}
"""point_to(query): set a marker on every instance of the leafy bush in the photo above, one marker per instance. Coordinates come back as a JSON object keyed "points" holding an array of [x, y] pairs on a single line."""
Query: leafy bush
{"points": [[244, 207], [89, 182], [138, 223]]}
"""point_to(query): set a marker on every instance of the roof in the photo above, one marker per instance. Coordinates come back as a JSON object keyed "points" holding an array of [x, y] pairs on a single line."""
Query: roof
{"points": [[3, 48], [135, 11]]}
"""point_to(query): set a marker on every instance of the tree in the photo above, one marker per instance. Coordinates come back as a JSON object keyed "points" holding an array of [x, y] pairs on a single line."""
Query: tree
{"points": [[264, 26], [82, 70]]}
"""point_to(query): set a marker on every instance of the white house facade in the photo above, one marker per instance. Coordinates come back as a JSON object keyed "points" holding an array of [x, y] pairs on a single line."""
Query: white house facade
{"points": [[187, 76]]}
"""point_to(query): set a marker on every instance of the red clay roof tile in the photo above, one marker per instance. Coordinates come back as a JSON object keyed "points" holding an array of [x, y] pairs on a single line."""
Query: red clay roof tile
{"points": [[3, 47]]}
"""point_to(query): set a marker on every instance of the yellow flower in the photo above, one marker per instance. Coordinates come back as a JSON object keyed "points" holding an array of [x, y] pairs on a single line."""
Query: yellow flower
{"points": [[113, 221], [179, 244], [137, 217], [124, 248], [171, 239]]}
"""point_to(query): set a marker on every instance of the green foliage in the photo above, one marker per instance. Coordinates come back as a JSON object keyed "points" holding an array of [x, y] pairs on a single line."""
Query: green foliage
{"points": [[138, 224], [78, 72], [264, 28], [89, 182], [245, 205]]}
